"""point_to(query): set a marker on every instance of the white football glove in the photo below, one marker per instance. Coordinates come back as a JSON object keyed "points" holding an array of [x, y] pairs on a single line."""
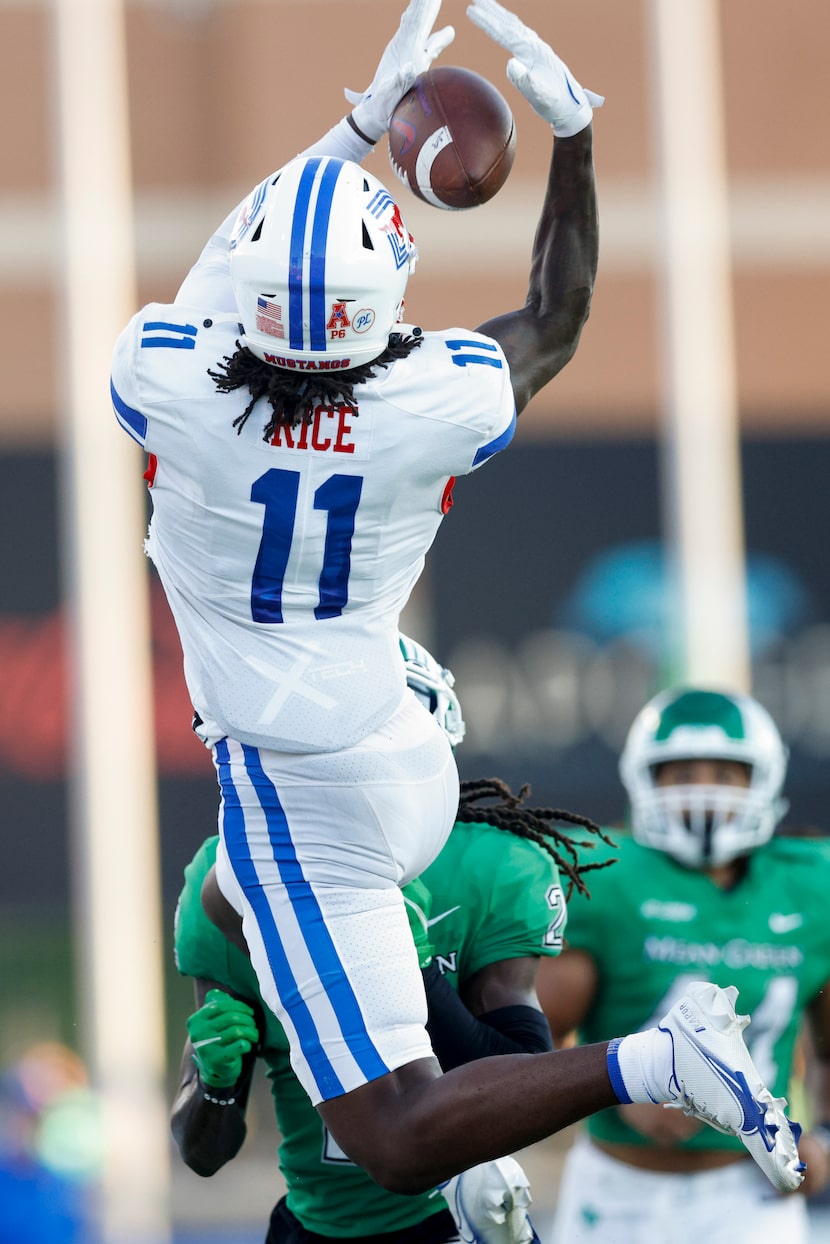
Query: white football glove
{"points": [[489, 1203], [410, 51], [545, 81]]}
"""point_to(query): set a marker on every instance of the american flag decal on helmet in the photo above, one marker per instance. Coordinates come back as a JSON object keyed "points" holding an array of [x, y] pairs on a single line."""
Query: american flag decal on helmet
{"points": [[269, 317]]}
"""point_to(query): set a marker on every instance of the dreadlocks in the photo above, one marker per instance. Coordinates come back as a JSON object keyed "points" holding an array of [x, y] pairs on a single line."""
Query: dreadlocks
{"points": [[294, 395], [532, 823]]}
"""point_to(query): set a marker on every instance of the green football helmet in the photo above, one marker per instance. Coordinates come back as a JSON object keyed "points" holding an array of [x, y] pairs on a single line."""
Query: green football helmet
{"points": [[434, 687], [702, 825]]}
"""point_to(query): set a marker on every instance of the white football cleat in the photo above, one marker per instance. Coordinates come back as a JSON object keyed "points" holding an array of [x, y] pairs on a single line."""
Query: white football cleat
{"points": [[489, 1204], [715, 1079]]}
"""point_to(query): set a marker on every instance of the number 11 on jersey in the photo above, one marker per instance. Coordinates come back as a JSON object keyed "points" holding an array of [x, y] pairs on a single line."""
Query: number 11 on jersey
{"points": [[277, 491]]}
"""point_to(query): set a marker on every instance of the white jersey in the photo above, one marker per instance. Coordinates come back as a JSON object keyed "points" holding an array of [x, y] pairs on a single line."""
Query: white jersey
{"points": [[286, 564]]}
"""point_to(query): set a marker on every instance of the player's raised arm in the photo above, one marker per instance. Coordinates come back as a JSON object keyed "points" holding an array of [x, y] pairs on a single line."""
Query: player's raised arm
{"points": [[410, 51], [541, 337]]}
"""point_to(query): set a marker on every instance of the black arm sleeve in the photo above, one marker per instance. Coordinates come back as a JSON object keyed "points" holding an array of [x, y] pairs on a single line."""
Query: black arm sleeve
{"points": [[459, 1037], [209, 1134]]}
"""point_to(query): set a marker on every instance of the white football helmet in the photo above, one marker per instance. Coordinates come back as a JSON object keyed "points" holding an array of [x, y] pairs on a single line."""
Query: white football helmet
{"points": [[319, 260], [433, 685], [699, 824]]}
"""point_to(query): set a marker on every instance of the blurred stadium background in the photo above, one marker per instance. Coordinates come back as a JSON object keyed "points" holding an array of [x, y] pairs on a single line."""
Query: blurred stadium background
{"points": [[548, 591]]}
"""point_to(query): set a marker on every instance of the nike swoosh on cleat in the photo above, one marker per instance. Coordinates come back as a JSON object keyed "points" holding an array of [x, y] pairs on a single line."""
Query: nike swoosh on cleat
{"points": [[754, 1117]]}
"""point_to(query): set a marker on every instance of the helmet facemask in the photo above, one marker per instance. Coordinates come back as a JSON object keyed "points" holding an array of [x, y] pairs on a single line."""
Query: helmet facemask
{"points": [[701, 825], [434, 686]]}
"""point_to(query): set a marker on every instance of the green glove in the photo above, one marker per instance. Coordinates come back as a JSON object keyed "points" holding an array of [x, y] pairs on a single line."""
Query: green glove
{"points": [[222, 1032], [418, 901]]}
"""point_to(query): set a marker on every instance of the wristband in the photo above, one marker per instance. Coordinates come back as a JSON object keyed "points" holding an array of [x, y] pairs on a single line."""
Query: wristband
{"points": [[211, 1094], [344, 141], [351, 121]]}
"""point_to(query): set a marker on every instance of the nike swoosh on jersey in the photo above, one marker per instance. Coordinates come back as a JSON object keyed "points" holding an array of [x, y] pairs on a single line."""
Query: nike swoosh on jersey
{"points": [[435, 919], [779, 923]]}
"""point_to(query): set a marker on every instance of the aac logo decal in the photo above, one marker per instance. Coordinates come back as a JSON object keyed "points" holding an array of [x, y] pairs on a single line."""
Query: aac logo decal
{"points": [[363, 320], [339, 317]]}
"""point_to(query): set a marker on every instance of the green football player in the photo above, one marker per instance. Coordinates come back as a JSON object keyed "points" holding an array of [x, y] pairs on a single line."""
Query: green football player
{"points": [[483, 915], [701, 890]]}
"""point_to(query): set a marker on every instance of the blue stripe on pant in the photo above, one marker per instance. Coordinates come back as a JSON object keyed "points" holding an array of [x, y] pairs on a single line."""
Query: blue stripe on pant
{"points": [[309, 917]]}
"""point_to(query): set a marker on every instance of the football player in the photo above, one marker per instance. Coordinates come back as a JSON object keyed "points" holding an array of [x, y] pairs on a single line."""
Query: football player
{"points": [[701, 890], [298, 478]]}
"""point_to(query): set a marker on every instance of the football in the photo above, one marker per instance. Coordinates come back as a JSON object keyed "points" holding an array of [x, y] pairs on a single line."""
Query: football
{"points": [[452, 139]]}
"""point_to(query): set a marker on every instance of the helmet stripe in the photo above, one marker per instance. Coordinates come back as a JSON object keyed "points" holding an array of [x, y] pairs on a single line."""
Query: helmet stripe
{"points": [[295, 259], [318, 311], [315, 281]]}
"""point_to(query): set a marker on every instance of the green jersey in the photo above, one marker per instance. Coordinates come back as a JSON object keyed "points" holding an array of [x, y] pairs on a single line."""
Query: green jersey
{"points": [[652, 925], [491, 896]]}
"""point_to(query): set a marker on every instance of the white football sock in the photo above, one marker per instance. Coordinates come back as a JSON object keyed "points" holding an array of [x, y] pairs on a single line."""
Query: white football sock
{"points": [[641, 1066]]}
